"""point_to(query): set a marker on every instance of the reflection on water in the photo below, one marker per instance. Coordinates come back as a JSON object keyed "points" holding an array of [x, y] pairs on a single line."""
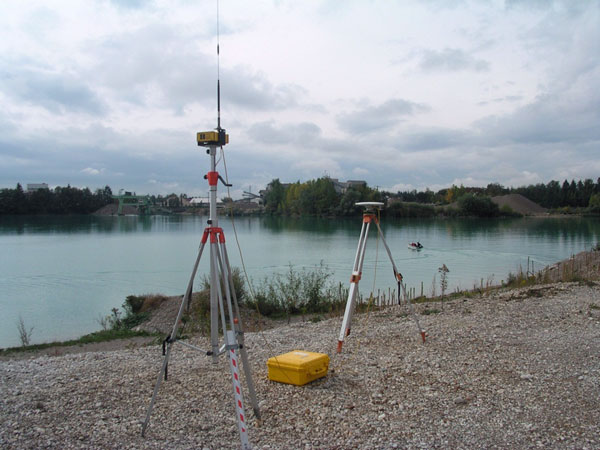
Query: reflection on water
{"points": [[63, 272]]}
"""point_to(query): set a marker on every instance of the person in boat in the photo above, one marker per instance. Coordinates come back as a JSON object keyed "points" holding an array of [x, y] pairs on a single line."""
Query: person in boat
{"points": [[419, 245]]}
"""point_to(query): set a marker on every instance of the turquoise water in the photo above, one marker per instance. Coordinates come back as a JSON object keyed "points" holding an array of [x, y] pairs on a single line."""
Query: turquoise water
{"points": [[61, 274]]}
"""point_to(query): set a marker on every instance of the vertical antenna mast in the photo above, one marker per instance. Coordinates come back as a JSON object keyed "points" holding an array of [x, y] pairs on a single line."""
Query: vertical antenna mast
{"points": [[218, 75], [218, 138]]}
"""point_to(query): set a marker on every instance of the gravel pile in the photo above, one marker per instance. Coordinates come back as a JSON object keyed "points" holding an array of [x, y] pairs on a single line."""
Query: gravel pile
{"points": [[512, 369]]}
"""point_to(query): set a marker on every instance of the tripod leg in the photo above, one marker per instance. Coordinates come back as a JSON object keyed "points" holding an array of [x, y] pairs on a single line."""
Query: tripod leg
{"points": [[354, 279], [237, 390], [239, 332], [401, 286], [163, 370], [219, 273], [215, 288]]}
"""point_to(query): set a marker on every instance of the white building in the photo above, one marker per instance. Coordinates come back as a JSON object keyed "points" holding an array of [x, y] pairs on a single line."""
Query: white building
{"points": [[32, 187]]}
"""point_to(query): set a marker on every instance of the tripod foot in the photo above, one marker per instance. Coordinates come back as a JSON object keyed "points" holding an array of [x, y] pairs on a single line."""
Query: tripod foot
{"points": [[339, 346], [423, 334]]}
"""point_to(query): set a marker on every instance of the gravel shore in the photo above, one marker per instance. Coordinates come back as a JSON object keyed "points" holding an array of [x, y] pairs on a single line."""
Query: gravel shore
{"points": [[509, 369]]}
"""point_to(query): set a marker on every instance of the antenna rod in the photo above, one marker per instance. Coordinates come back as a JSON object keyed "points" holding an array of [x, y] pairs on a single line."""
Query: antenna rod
{"points": [[218, 74]]}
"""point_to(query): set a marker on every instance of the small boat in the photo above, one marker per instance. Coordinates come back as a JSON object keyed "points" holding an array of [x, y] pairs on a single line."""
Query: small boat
{"points": [[415, 246]]}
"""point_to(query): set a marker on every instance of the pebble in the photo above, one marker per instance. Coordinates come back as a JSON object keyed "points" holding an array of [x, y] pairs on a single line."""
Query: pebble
{"points": [[493, 373]]}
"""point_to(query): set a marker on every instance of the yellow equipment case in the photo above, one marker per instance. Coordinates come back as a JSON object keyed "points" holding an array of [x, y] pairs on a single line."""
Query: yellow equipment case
{"points": [[298, 367]]}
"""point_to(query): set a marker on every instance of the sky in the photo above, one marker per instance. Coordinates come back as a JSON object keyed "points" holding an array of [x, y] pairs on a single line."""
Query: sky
{"points": [[402, 94]]}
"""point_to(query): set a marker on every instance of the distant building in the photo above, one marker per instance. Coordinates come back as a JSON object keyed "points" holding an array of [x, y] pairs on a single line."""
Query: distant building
{"points": [[198, 201], [342, 186], [32, 187], [356, 183]]}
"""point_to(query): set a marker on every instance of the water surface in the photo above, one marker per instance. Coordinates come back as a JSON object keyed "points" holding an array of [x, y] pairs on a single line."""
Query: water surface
{"points": [[61, 274]]}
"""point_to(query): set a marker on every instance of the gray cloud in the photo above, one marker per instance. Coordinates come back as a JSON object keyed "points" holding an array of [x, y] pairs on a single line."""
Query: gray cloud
{"points": [[375, 118], [431, 139], [451, 60], [56, 92], [550, 118], [137, 67], [289, 134]]}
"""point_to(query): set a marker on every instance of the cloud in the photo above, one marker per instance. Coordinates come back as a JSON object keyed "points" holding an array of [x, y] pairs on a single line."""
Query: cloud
{"points": [[430, 138], [155, 66], [376, 118], [550, 118], [57, 92], [129, 4], [451, 60], [287, 134], [318, 165], [119, 89], [92, 171], [360, 171]]}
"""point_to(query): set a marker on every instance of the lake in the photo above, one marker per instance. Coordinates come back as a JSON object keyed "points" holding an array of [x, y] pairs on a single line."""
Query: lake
{"points": [[61, 274]]}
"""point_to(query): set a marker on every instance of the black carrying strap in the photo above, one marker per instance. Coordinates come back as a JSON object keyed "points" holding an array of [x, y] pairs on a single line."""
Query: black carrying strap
{"points": [[166, 341]]}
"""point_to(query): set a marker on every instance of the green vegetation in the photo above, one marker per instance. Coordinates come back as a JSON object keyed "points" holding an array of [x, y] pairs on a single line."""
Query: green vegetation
{"points": [[320, 198], [551, 195], [61, 200], [327, 197], [136, 309], [410, 209], [478, 206], [297, 292], [594, 204], [317, 198], [24, 333]]}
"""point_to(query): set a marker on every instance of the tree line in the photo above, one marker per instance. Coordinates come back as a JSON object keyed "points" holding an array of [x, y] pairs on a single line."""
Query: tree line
{"points": [[60, 200], [551, 195], [319, 197], [316, 197]]}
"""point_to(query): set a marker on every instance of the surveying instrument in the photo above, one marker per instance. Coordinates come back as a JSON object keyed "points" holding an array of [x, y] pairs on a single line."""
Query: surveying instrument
{"points": [[370, 216], [223, 299]]}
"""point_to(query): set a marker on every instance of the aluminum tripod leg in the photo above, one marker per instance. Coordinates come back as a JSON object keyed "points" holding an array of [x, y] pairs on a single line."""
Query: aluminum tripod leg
{"points": [[354, 279], [239, 332], [231, 343], [172, 337], [398, 277]]}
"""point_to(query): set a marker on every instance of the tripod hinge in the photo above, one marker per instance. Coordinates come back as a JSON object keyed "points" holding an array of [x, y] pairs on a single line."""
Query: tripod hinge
{"points": [[167, 340], [227, 347]]}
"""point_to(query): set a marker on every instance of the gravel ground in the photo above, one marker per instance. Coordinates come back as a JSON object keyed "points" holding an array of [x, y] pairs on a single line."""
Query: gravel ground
{"points": [[511, 369]]}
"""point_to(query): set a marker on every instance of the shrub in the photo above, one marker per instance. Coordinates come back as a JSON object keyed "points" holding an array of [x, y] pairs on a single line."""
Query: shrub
{"points": [[507, 211], [478, 206], [304, 291]]}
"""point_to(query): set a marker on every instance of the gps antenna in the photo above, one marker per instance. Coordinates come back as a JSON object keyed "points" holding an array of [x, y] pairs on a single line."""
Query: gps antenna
{"points": [[218, 75]]}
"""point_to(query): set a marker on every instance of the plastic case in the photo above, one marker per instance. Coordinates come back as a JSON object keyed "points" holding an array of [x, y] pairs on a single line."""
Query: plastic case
{"points": [[298, 367]]}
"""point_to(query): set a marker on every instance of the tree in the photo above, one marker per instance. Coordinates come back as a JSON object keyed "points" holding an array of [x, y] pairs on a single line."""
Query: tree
{"points": [[274, 196], [479, 206], [495, 189], [594, 204]]}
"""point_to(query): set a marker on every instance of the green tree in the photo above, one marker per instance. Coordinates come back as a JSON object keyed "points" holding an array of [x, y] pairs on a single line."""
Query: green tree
{"points": [[479, 206], [594, 204], [274, 197]]}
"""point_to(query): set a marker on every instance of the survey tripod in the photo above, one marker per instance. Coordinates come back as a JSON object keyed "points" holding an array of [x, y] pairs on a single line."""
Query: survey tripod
{"points": [[369, 217], [223, 301]]}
